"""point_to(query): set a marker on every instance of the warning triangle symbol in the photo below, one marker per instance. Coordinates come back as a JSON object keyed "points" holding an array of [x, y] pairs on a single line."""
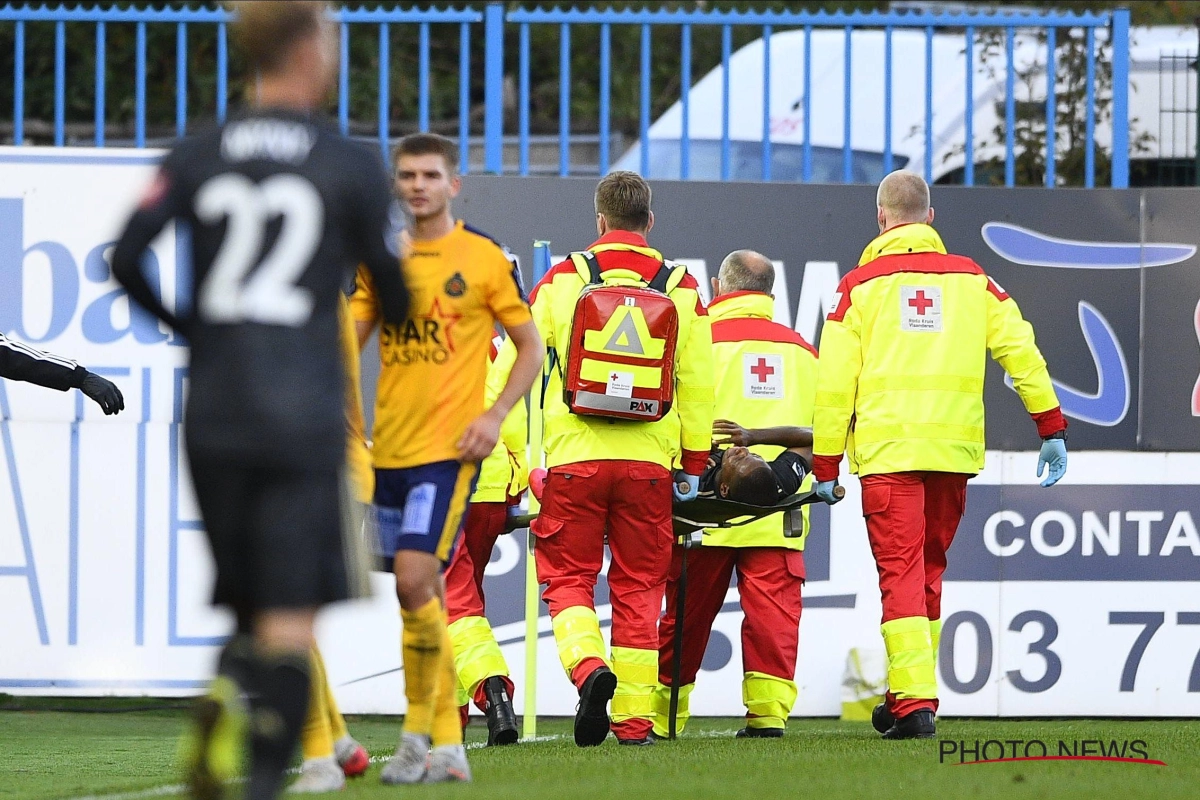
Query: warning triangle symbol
{"points": [[625, 338]]}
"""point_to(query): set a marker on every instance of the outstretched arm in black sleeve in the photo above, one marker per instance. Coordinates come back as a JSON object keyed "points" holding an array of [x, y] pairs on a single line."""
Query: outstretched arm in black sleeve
{"points": [[20, 362]]}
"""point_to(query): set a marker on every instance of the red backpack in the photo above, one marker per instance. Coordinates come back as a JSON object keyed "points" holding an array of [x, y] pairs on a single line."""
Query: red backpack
{"points": [[621, 357]]}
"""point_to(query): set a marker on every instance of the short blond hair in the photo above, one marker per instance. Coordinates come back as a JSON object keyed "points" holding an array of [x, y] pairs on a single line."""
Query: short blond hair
{"points": [[265, 30], [904, 196], [623, 198]]}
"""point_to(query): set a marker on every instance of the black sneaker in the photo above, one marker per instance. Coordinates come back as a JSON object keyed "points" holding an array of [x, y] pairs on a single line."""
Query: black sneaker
{"points": [[881, 718], [759, 733], [645, 741], [591, 717], [917, 725], [501, 721]]}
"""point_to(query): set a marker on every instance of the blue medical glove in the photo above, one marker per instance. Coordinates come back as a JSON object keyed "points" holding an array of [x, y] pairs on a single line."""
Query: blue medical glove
{"points": [[685, 486], [827, 491], [1053, 455]]}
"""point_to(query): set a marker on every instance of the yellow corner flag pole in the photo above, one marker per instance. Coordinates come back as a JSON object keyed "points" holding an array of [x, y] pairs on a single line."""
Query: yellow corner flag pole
{"points": [[541, 265]]}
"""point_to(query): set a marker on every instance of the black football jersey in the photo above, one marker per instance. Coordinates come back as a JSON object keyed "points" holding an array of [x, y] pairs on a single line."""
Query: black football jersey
{"points": [[279, 209]]}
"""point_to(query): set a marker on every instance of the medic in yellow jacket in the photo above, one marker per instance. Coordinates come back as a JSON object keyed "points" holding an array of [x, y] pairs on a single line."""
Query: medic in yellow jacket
{"points": [[482, 671], [900, 388], [610, 479], [766, 378]]}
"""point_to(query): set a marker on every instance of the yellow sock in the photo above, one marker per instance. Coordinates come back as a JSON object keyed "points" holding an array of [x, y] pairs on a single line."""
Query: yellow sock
{"points": [[316, 738], [337, 723], [447, 724], [421, 648]]}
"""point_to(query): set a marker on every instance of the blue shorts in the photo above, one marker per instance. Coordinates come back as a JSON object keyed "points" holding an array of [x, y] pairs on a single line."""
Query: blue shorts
{"points": [[422, 508]]}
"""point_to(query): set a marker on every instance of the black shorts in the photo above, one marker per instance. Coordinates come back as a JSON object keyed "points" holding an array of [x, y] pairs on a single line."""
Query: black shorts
{"points": [[277, 534]]}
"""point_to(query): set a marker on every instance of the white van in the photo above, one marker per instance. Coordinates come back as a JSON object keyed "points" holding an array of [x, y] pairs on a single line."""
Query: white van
{"points": [[1149, 94]]}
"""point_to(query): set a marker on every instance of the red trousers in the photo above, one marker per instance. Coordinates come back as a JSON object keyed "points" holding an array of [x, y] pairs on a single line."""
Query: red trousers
{"points": [[769, 580], [629, 504], [464, 575], [911, 521]]}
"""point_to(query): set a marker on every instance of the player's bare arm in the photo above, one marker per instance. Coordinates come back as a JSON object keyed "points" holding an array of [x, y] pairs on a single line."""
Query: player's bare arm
{"points": [[794, 438]]}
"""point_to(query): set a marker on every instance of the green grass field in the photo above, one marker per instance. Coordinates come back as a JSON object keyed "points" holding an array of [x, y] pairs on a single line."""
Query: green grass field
{"points": [[52, 749]]}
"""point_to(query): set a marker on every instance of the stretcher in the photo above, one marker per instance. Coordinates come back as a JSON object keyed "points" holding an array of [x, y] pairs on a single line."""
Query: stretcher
{"points": [[689, 520]]}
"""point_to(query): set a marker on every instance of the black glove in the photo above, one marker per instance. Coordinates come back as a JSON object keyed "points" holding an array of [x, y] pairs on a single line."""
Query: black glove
{"points": [[104, 392]]}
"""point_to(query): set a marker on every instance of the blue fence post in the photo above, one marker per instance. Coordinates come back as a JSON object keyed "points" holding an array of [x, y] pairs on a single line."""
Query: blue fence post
{"points": [[929, 103], [726, 52], [1010, 110], [139, 90], [344, 78], [493, 69], [605, 93], [222, 70], [385, 89], [1120, 101], [181, 79], [523, 102], [19, 85], [60, 82], [644, 104], [98, 136], [464, 97], [807, 163], [1089, 133], [766, 99], [564, 100], [423, 77], [1051, 106], [888, 109], [685, 93], [847, 106], [969, 111]]}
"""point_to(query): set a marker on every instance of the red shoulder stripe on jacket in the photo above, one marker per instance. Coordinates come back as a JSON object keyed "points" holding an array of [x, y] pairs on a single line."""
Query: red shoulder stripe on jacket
{"points": [[926, 263], [558, 269], [747, 329]]}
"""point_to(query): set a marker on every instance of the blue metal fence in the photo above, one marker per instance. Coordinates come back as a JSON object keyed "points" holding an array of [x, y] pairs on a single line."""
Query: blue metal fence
{"points": [[577, 28]]}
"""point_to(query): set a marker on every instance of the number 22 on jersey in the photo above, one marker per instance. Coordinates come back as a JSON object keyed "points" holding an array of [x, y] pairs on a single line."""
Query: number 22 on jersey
{"points": [[271, 296]]}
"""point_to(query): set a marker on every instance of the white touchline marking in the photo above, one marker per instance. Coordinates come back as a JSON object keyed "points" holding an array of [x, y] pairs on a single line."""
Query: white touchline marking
{"points": [[157, 791], [178, 788]]}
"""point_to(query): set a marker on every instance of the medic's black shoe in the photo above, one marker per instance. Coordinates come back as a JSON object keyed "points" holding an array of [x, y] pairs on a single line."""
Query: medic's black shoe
{"points": [[881, 718], [591, 718], [917, 725], [759, 733], [501, 721]]}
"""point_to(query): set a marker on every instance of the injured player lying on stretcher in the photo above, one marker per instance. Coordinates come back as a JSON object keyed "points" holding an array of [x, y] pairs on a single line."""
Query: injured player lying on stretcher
{"points": [[735, 473], [737, 486]]}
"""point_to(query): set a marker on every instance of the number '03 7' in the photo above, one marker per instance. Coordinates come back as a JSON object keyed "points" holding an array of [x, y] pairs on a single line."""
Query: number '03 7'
{"points": [[1149, 621]]}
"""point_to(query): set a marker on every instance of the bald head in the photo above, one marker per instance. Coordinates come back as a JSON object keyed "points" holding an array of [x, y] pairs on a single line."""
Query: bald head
{"points": [[745, 271], [903, 197]]}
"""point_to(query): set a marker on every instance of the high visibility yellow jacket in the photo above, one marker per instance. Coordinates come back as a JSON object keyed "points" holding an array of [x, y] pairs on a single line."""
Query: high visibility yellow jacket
{"points": [[766, 376], [686, 430], [900, 385], [504, 473]]}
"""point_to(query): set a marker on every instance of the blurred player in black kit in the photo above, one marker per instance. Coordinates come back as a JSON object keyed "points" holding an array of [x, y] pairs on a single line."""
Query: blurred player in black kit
{"points": [[281, 209]]}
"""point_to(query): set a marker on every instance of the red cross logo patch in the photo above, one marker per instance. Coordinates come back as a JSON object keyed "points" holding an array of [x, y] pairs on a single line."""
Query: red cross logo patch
{"points": [[762, 375], [921, 308]]}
